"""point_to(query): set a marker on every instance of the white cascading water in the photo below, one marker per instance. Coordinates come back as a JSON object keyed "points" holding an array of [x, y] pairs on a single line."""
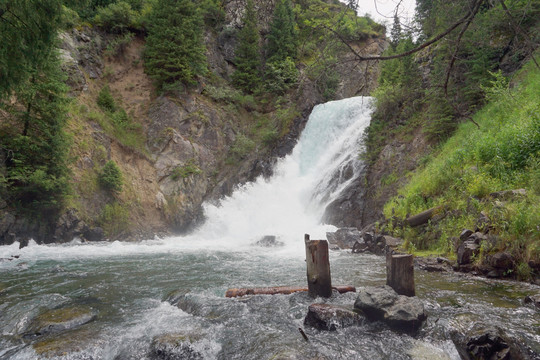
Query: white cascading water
{"points": [[287, 205], [293, 200]]}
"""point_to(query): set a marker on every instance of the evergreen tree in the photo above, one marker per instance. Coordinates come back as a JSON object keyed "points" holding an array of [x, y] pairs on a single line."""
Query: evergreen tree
{"points": [[36, 147], [28, 31], [395, 33], [32, 104], [248, 60], [282, 39], [175, 52]]}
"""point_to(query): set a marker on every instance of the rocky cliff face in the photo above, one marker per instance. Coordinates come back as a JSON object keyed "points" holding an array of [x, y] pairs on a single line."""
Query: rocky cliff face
{"points": [[189, 138]]}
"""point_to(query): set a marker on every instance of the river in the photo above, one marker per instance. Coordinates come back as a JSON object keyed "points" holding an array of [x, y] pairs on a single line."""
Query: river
{"points": [[126, 283]]}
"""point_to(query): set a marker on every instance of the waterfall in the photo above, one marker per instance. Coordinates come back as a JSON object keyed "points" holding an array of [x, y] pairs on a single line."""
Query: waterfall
{"points": [[292, 202], [288, 205]]}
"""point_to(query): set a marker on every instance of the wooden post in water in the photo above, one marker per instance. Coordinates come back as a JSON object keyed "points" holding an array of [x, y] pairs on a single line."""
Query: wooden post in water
{"points": [[400, 273], [318, 268]]}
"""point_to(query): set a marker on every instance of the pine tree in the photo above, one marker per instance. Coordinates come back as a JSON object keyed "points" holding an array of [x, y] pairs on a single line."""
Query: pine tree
{"points": [[248, 60], [175, 52], [353, 5], [283, 37], [395, 33], [28, 31]]}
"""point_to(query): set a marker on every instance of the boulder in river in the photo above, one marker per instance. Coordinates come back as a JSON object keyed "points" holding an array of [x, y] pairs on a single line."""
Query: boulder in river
{"points": [[344, 238], [398, 311], [533, 300], [485, 342], [59, 320], [331, 317], [269, 241], [174, 347]]}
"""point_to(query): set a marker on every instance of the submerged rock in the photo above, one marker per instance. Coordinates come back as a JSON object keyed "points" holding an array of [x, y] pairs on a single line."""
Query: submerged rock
{"points": [[331, 317], [174, 347], [533, 300], [269, 241], [175, 296], [433, 264], [64, 343], [59, 320], [398, 311]]}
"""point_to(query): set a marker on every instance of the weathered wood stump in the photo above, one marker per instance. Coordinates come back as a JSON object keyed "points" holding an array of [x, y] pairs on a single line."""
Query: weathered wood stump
{"points": [[318, 268], [400, 273]]}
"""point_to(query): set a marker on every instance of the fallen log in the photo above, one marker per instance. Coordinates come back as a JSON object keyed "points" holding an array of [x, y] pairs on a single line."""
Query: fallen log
{"points": [[285, 290], [423, 217]]}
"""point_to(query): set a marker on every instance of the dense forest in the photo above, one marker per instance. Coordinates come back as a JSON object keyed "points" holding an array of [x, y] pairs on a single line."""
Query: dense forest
{"points": [[474, 106]]}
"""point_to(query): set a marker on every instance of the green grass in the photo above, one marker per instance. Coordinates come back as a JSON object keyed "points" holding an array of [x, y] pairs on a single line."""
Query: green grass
{"points": [[502, 154]]}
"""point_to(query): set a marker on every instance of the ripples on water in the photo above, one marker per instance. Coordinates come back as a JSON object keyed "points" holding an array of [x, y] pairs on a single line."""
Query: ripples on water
{"points": [[127, 282]]}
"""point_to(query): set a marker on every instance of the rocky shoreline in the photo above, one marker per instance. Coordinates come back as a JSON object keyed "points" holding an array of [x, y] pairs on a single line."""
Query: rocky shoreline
{"points": [[497, 265]]}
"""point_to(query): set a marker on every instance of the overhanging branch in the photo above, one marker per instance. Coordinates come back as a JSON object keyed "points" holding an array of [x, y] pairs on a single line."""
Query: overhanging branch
{"points": [[467, 18]]}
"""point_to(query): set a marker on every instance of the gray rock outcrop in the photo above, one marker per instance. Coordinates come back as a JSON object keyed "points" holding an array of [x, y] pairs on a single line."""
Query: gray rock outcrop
{"points": [[331, 317], [382, 303]]}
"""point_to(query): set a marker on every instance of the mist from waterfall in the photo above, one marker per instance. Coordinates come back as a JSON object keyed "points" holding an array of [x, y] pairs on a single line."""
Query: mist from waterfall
{"points": [[292, 201]]}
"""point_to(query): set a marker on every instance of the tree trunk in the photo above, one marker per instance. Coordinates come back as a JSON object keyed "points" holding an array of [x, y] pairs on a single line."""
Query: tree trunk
{"points": [[400, 273], [423, 217], [318, 268]]}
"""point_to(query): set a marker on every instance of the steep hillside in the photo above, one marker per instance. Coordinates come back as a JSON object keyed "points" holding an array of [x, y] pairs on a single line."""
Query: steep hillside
{"points": [[455, 133], [143, 158]]}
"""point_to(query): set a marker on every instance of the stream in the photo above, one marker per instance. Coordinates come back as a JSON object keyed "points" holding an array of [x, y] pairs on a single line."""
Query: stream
{"points": [[126, 284]]}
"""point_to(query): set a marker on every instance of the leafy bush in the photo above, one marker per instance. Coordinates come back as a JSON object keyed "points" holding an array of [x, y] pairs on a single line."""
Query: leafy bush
{"points": [[116, 17], [70, 18], [114, 218], [182, 172], [111, 178], [118, 45], [105, 100], [242, 147]]}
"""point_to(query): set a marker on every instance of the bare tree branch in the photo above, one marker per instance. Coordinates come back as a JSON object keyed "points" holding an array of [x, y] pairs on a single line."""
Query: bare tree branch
{"points": [[518, 30], [456, 50], [470, 15]]}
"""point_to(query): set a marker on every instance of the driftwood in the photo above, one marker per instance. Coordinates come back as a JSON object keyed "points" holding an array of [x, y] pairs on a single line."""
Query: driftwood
{"points": [[423, 217], [400, 273], [280, 290], [318, 268]]}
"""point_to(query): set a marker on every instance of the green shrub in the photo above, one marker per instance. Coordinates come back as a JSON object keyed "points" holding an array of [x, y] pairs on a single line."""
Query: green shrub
{"points": [[114, 219], [69, 18], [111, 178], [182, 172], [118, 45], [242, 147], [116, 17], [105, 100]]}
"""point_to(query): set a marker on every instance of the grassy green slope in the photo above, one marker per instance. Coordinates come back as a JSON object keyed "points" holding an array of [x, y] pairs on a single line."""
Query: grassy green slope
{"points": [[501, 153]]}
